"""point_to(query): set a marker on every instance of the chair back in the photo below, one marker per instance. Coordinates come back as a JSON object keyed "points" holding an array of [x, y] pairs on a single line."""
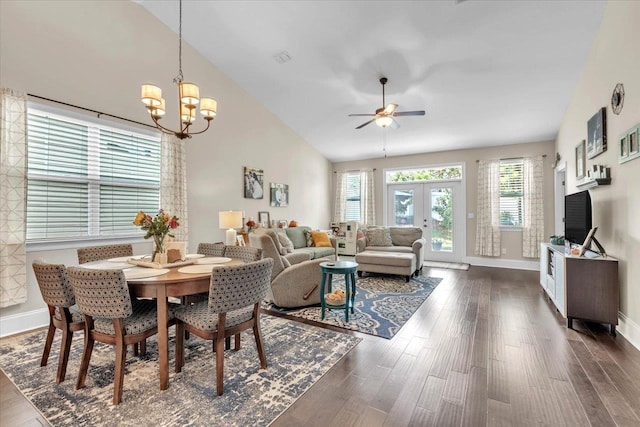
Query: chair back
{"points": [[211, 249], [244, 253], [239, 286], [269, 250], [54, 286], [101, 293], [97, 253]]}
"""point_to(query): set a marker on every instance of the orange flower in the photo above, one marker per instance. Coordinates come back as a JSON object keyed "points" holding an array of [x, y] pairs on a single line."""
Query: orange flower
{"points": [[138, 220]]}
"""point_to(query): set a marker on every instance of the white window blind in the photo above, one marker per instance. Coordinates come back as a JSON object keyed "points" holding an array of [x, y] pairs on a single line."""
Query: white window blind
{"points": [[87, 179], [511, 192], [353, 197]]}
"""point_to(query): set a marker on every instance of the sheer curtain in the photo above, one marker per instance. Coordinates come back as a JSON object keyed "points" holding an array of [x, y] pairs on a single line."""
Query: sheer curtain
{"points": [[173, 183], [488, 215], [533, 206], [340, 201], [367, 198], [13, 197]]}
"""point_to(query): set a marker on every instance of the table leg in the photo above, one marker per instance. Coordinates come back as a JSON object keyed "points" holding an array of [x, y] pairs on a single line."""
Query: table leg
{"points": [[322, 303], [163, 337], [353, 291], [347, 292]]}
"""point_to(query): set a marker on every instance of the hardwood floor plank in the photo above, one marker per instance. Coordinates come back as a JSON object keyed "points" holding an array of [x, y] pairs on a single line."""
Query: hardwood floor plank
{"points": [[449, 414], [475, 402], [591, 402], [499, 414], [455, 388], [498, 381], [431, 394]]}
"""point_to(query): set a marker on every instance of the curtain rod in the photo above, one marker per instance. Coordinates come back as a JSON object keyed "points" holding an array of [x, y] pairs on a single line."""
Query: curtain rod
{"points": [[99, 113], [355, 170], [511, 158]]}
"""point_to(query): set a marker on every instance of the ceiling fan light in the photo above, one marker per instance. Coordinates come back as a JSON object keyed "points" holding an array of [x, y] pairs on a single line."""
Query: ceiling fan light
{"points": [[384, 121]]}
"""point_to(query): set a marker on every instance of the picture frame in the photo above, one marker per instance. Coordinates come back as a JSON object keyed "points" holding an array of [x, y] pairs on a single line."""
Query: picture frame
{"points": [[253, 183], [279, 194], [623, 147], [587, 241], [597, 134], [629, 145], [240, 241], [580, 160], [264, 219], [282, 223]]}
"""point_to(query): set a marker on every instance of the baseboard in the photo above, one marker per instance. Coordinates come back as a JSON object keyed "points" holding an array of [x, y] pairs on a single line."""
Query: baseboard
{"points": [[504, 263], [14, 324], [629, 329]]}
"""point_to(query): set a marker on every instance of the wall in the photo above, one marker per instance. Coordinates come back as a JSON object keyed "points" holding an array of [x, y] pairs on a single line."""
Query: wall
{"points": [[96, 54], [614, 58], [511, 240]]}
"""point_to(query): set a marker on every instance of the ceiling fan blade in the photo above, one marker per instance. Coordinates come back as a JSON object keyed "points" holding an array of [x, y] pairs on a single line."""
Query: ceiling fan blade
{"points": [[409, 113], [364, 124], [390, 108], [394, 124], [354, 115]]}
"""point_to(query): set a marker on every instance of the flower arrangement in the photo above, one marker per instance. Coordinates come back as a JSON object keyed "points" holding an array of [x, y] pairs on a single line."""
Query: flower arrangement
{"points": [[158, 227], [251, 224]]}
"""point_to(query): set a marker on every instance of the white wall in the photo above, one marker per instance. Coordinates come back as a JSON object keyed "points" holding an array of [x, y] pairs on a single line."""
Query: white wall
{"points": [[96, 54], [614, 58]]}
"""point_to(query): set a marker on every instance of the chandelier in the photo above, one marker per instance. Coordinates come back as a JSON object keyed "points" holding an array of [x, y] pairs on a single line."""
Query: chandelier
{"points": [[188, 97]]}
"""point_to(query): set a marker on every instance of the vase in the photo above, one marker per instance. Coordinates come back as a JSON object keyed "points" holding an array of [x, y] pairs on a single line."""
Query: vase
{"points": [[159, 250]]}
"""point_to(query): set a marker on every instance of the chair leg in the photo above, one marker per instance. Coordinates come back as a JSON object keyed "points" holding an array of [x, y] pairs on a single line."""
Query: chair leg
{"points": [[236, 346], [135, 349], [258, 335], [179, 346], [220, 366], [63, 357], [143, 347], [118, 377], [47, 344], [86, 357]]}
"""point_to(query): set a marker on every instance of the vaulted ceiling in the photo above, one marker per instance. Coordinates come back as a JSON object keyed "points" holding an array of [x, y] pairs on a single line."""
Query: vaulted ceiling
{"points": [[487, 72]]}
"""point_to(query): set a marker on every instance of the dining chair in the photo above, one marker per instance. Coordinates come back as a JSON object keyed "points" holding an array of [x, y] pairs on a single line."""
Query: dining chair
{"points": [[243, 253], [64, 314], [235, 293], [211, 249], [111, 317], [97, 253]]}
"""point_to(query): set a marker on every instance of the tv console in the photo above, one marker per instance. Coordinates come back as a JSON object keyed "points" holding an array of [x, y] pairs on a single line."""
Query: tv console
{"points": [[581, 287]]}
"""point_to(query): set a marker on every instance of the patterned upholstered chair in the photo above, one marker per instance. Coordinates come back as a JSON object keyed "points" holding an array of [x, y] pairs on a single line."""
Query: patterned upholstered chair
{"points": [[244, 253], [235, 294], [211, 249], [64, 314], [111, 317], [97, 253]]}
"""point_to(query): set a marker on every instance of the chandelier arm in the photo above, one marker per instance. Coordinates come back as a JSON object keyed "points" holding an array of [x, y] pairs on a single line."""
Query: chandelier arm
{"points": [[203, 130], [162, 128]]}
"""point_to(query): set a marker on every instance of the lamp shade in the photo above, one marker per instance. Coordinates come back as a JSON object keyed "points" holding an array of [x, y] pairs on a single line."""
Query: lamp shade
{"points": [[230, 220], [384, 121]]}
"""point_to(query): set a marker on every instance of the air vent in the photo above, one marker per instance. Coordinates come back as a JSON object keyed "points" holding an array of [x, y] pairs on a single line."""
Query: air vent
{"points": [[282, 57]]}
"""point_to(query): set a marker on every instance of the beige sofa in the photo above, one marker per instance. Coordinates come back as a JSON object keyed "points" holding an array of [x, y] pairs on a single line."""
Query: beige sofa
{"points": [[405, 240]]}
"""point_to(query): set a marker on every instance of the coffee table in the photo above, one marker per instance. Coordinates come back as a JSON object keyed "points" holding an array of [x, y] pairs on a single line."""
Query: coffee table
{"points": [[329, 268]]}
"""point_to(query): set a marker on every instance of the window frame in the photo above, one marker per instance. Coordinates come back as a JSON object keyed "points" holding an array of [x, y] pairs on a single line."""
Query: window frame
{"points": [[518, 226], [357, 198]]}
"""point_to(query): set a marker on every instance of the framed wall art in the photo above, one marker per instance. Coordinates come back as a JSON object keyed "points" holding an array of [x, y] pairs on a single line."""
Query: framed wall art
{"points": [[580, 160], [279, 195], [263, 219], [253, 183], [628, 148], [597, 134]]}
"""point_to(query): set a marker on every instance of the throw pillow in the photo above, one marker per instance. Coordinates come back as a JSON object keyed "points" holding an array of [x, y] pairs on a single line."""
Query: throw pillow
{"points": [[309, 238], [359, 234], [378, 237], [321, 239], [286, 243]]}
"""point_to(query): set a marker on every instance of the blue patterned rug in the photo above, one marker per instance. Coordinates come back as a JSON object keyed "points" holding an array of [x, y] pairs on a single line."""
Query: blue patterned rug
{"points": [[297, 356], [383, 304]]}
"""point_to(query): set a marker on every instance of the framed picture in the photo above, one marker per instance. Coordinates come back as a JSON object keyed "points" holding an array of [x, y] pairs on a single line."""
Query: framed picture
{"points": [[282, 223], [263, 219], [628, 142], [240, 241], [253, 183], [633, 141], [623, 147], [597, 134], [580, 160], [279, 195]]}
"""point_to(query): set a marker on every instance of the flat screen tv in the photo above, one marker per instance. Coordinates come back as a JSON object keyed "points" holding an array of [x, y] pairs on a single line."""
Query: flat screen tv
{"points": [[577, 217]]}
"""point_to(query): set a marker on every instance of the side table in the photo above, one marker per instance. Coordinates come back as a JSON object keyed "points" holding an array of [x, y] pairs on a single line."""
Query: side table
{"points": [[329, 268]]}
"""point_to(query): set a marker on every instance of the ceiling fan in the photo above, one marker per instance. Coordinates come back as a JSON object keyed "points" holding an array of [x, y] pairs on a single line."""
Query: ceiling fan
{"points": [[384, 115]]}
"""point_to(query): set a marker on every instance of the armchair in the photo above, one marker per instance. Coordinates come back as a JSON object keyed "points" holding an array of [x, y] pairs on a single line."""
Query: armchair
{"points": [[292, 285]]}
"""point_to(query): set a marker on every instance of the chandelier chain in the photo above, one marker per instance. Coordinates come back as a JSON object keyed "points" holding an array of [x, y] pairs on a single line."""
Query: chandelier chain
{"points": [[179, 77]]}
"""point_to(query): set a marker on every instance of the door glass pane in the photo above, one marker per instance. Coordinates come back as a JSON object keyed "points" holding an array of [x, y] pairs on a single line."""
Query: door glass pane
{"points": [[403, 202], [442, 219]]}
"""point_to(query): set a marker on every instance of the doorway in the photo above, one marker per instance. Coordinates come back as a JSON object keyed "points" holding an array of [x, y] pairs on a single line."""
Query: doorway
{"points": [[437, 208]]}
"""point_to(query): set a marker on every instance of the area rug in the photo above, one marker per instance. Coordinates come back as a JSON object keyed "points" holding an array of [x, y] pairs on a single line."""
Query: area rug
{"points": [[451, 265], [383, 304], [297, 356]]}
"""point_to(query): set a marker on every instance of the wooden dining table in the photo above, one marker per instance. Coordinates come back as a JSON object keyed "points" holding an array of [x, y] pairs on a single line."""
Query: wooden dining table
{"points": [[171, 284]]}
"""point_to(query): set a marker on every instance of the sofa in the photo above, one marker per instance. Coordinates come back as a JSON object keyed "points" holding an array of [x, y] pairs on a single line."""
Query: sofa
{"points": [[299, 237], [403, 240]]}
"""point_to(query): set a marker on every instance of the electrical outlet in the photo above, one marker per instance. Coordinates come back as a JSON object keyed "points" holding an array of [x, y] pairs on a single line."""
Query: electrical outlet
{"points": [[504, 251]]}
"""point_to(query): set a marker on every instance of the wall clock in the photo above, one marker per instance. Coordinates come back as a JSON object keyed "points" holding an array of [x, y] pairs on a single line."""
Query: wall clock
{"points": [[617, 98]]}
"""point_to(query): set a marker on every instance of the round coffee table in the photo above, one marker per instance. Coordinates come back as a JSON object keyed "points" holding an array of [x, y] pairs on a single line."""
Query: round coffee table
{"points": [[329, 268]]}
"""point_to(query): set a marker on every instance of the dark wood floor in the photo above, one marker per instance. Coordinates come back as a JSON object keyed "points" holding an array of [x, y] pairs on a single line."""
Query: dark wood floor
{"points": [[485, 349]]}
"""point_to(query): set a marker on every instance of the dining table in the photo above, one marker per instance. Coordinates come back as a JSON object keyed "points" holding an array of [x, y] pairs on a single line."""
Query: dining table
{"points": [[171, 283]]}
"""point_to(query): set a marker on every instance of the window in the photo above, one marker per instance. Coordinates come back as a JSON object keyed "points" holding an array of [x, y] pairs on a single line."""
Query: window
{"points": [[87, 179], [511, 192], [443, 173], [353, 208]]}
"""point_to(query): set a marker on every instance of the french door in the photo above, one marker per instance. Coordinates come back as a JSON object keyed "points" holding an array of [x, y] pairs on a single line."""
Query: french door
{"points": [[437, 208]]}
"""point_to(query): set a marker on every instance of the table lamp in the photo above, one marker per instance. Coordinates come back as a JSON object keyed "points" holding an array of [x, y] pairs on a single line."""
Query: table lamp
{"points": [[230, 220]]}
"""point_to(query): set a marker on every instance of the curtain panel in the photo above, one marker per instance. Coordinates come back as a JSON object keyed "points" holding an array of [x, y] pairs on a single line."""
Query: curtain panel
{"points": [[340, 201], [173, 183], [533, 206], [488, 211], [13, 197], [367, 198]]}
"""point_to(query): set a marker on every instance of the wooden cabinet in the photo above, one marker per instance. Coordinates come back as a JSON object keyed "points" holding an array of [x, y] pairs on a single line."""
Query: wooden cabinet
{"points": [[581, 287]]}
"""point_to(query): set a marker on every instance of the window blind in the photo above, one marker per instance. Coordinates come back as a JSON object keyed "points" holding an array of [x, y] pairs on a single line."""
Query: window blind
{"points": [[352, 207], [511, 192], [87, 179]]}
